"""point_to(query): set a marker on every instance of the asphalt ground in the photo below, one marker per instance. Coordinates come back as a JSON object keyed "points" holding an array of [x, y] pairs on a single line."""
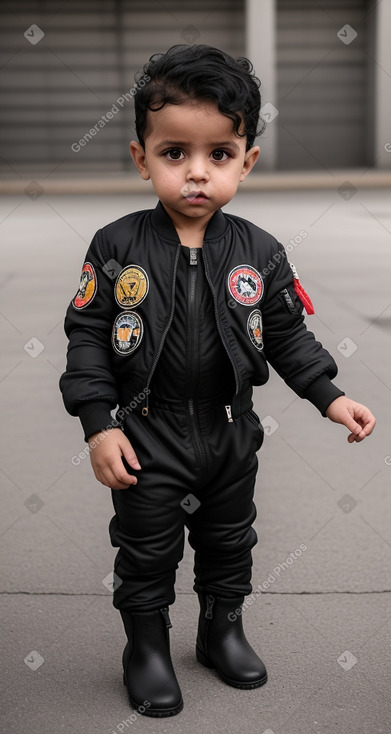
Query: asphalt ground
{"points": [[322, 621]]}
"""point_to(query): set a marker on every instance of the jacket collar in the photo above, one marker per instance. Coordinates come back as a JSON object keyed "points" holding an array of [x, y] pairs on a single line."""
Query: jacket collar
{"points": [[163, 224]]}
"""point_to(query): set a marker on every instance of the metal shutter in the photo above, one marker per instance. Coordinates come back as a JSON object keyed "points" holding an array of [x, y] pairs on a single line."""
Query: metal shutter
{"points": [[55, 91], [323, 84]]}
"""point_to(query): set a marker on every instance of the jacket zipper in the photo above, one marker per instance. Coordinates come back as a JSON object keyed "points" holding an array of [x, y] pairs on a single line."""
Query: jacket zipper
{"points": [[145, 409], [228, 408], [193, 354]]}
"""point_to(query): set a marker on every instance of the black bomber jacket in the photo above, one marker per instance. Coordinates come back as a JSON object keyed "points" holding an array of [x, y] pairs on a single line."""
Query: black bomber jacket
{"points": [[117, 322]]}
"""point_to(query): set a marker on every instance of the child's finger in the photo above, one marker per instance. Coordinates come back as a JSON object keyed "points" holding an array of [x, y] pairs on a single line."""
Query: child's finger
{"points": [[107, 478], [358, 436], [129, 455], [368, 422], [351, 425], [131, 458], [118, 475], [123, 476]]}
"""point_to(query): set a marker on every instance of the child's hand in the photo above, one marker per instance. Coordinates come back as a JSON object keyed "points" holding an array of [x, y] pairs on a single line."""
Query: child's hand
{"points": [[106, 458], [356, 417]]}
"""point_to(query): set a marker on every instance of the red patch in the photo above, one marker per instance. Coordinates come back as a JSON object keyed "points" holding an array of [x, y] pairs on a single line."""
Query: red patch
{"points": [[245, 285]]}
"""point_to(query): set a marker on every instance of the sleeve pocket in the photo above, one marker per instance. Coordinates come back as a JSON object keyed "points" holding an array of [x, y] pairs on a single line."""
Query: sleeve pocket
{"points": [[290, 300]]}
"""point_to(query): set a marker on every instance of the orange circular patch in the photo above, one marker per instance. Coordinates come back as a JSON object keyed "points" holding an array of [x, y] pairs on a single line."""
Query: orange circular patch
{"points": [[87, 287]]}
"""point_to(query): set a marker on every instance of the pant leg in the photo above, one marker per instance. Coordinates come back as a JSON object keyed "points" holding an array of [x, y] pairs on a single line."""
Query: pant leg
{"points": [[148, 525], [221, 531]]}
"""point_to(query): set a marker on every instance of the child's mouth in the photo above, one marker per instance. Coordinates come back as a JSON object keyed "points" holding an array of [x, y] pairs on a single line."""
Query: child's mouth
{"points": [[192, 193], [197, 199]]}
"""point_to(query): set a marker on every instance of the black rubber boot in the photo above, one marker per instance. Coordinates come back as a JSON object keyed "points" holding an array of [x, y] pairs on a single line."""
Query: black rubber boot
{"points": [[148, 671], [222, 644]]}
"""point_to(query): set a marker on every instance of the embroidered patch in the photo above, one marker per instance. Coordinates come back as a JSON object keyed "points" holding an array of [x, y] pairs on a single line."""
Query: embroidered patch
{"points": [[254, 329], [127, 332], [245, 285], [131, 286], [87, 287]]}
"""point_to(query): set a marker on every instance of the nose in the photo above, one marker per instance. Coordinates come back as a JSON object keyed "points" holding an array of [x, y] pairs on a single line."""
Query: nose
{"points": [[198, 168]]}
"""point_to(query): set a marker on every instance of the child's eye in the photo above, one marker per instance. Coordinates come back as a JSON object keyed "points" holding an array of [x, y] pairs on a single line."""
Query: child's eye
{"points": [[174, 154], [220, 155]]}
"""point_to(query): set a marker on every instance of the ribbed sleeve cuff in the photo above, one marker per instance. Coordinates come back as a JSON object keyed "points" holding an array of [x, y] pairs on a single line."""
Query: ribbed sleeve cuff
{"points": [[95, 416], [321, 393]]}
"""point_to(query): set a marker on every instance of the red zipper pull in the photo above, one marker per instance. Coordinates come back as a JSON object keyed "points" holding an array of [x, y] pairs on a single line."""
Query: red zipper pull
{"points": [[301, 293]]}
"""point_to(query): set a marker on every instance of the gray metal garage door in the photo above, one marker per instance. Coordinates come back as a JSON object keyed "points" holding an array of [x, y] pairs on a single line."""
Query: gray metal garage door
{"points": [[324, 83], [56, 88]]}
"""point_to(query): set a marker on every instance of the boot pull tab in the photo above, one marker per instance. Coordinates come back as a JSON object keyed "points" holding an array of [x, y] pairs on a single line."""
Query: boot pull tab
{"points": [[210, 600], [166, 617]]}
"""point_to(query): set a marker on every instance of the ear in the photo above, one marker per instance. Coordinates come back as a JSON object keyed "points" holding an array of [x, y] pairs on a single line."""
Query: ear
{"points": [[138, 154], [249, 162]]}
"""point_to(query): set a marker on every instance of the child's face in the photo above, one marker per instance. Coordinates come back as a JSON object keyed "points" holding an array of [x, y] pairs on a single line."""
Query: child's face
{"points": [[193, 142]]}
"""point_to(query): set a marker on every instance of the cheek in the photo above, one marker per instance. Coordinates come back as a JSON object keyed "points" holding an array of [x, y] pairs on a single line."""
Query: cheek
{"points": [[228, 179], [171, 180]]}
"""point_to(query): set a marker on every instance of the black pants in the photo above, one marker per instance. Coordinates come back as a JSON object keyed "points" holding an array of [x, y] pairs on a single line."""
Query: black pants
{"points": [[197, 471]]}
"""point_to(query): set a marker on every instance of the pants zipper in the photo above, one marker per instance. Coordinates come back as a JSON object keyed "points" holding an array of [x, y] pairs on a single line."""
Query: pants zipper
{"points": [[210, 600]]}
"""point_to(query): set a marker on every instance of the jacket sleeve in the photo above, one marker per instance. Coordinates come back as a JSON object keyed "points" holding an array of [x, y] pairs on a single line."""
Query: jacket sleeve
{"points": [[292, 350], [88, 386]]}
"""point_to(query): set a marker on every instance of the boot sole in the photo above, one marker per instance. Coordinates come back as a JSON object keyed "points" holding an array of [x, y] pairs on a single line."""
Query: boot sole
{"points": [[154, 713], [204, 660]]}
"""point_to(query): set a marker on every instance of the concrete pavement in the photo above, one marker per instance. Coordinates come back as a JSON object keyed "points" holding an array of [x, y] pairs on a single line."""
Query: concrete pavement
{"points": [[322, 622]]}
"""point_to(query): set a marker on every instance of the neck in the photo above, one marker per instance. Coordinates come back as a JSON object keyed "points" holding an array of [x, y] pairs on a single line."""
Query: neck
{"points": [[190, 231], [191, 239]]}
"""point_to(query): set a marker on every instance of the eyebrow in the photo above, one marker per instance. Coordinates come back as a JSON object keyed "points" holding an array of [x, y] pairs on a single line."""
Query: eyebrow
{"points": [[182, 144]]}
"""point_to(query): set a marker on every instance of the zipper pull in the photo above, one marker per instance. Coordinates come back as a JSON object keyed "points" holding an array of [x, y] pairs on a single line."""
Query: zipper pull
{"points": [[229, 413], [301, 293], [193, 256], [145, 409], [166, 617], [210, 600]]}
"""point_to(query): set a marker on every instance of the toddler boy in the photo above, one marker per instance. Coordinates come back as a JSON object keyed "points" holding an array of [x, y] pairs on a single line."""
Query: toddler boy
{"points": [[179, 310]]}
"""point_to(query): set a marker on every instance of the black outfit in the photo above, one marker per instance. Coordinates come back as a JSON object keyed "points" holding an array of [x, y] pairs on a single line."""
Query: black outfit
{"points": [[186, 446], [192, 349]]}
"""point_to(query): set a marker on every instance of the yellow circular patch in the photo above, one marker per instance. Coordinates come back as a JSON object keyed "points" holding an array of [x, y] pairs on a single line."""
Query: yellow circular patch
{"points": [[131, 286]]}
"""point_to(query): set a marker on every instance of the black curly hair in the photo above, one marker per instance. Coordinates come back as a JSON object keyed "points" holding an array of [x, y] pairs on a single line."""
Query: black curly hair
{"points": [[200, 72]]}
